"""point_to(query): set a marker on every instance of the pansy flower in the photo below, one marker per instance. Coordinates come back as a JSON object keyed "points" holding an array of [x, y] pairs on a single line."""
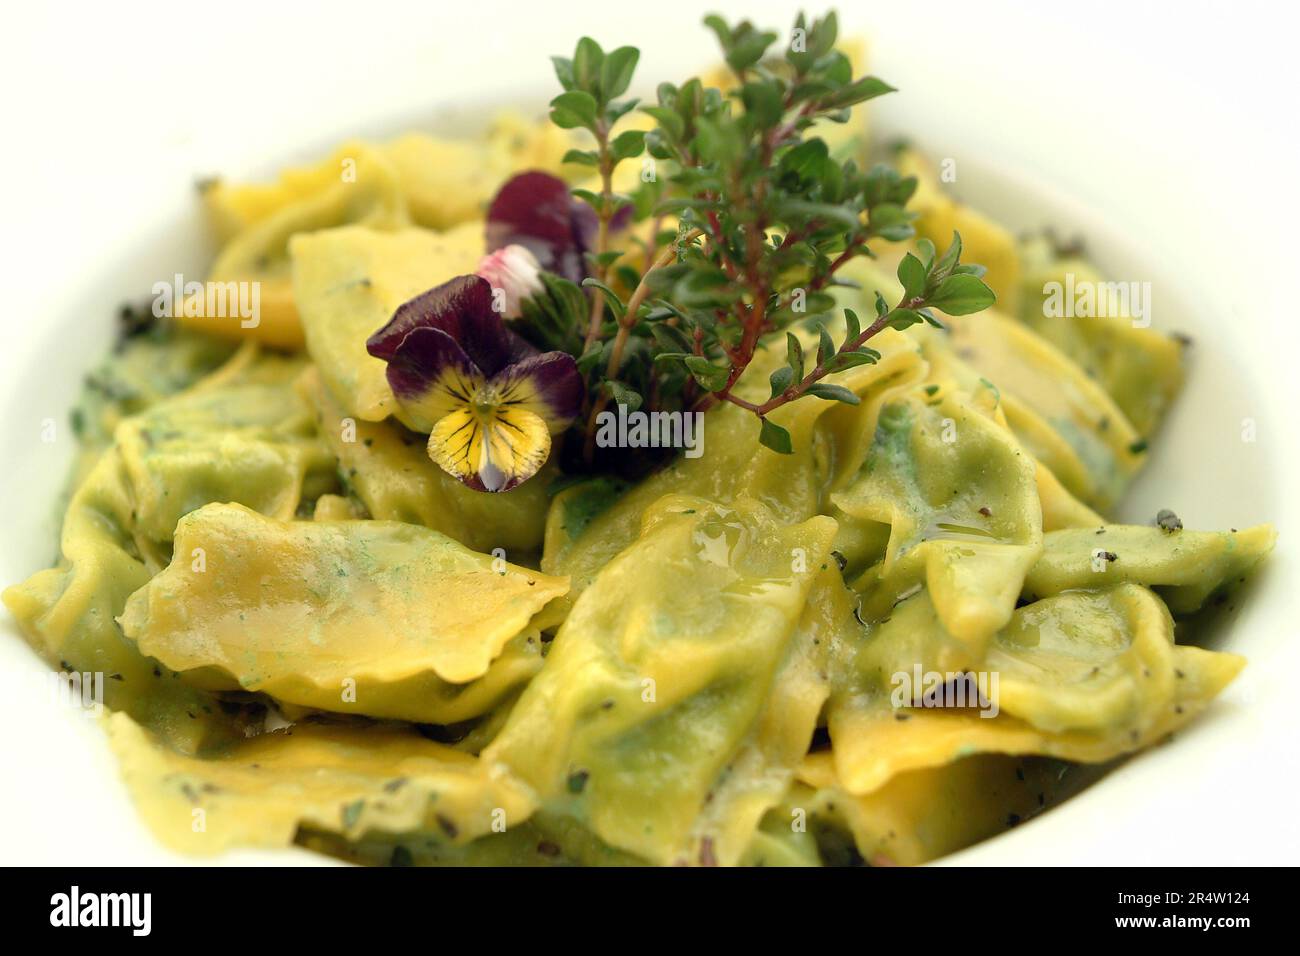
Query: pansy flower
{"points": [[489, 401], [537, 211]]}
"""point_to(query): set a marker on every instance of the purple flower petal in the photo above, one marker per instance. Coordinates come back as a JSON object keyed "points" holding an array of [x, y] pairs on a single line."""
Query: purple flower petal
{"points": [[462, 308], [548, 385], [536, 210], [431, 376], [620, 220], [440, 308]]}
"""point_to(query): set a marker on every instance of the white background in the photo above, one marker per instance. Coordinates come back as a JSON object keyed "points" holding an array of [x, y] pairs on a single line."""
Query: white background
{"points": [[1171, 128]]}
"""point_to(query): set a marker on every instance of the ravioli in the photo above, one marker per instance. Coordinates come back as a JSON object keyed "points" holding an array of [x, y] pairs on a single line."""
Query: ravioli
{"points": [[251, 443], [342, 780], [961, 501], [1186, 567], [143, 369], [649, 693], [367, 617], [415, 179], [118, 524], [1085, 676], [356, 185], [348, 282], [443, 182], [1060, 508], [1060, 415], [451, 181], [764, 766], [1086, 448], [543, 840], [68, 613], [1138, 366], [921, 815]]}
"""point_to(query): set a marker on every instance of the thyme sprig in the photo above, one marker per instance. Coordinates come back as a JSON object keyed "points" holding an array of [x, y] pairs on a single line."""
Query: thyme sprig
{"points": [[593, 80], [767, 215]]}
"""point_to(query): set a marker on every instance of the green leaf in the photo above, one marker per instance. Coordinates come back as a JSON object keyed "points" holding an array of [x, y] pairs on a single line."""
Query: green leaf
{"points": [[852, 326], [710, 376], [623, 394], [853, 359], [669, 120], [587, 60], [904, 319], [926, 248], [720, 28], [911, 272], [798, 211], [657, 144], [581, 157], [825, 32], [627, 144], [616, 72], [945, 266], [573, 110], [962, 295], [825, 345], [617, 110], [891, 221], [818, 41], [930, 318], [670, 338], [563, 71], [718, 140], [748, 50], [611, 297], [763, 101], [703, 287], [775, 437], [592, 357], [805, 161], [794, 354], [883, 184], [833, 393], [672, 309], [665, 278], [867, 88], [558, 315], [882, 307], [668, 358], [837, 70], [781, 379]]}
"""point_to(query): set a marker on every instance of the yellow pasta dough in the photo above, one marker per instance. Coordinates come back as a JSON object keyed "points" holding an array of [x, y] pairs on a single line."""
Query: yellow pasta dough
{"points": [[336, 779], [359, 616]]}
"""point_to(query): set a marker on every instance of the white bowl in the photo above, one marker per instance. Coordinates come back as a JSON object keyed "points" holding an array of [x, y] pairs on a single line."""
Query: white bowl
{"points": [[1123, 136]]}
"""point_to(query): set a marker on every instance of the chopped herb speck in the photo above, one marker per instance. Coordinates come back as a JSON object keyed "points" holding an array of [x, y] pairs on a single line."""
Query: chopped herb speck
{"points": [[1168, 521]]}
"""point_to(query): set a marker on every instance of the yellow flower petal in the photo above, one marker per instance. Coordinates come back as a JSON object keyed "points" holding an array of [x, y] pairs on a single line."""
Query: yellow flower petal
{"points": [[453, 387], [490, 448], [547, 385]]}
